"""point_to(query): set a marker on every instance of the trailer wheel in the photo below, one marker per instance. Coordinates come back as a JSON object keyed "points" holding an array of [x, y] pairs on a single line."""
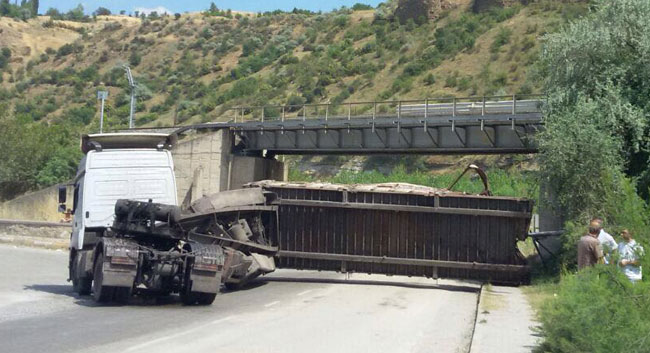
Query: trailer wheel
{"points": [[101, 293]]}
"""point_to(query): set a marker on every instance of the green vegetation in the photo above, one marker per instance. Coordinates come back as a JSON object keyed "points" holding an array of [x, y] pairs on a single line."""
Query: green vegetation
{"points": [[24, 11], [76, 14], [596, 310], [594, 160], [502, 182], [32, 161]]}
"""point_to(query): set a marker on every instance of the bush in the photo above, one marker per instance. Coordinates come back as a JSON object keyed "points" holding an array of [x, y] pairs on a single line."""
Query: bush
{"points": [[135, 58], [429, 79], [359, 7], [597, 310], [502, 38]]}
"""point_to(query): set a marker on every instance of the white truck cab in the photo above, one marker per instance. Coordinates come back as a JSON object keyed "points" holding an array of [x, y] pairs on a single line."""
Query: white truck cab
{"points": [[118, 166]]}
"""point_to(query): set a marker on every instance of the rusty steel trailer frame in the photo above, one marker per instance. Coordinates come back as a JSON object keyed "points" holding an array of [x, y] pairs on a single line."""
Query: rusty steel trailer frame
{"points": [[442, 234]]}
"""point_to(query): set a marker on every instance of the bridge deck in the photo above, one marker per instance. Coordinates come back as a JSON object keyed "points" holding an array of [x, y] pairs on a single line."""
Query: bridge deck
{"points": [[388, 127]]}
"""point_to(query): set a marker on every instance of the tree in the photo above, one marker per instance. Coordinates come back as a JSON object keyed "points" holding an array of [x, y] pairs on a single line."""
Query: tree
{"points": [[34, 7], [596, 130], [177, 16], [76, 14], [53, 13], [5, 7], [102, 11]]}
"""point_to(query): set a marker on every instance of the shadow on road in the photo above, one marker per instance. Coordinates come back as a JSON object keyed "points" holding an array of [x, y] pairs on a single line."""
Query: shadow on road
{"points": [[447, 287], [136, 300], [87, 300]]}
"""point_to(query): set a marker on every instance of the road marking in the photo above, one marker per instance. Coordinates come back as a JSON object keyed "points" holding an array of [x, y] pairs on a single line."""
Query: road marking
{"points": [[162, 339], [222, 320], [305, 292], [271, 304]]}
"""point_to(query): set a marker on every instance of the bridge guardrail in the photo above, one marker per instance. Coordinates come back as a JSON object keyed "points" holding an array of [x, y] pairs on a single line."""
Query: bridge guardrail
{"points": [[430, 107]]}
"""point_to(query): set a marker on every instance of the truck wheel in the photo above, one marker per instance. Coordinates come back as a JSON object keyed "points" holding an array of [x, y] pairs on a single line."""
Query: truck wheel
{"points": [[101, 293], [83, 285], [121, 295], [205, 298], [198, 298]]}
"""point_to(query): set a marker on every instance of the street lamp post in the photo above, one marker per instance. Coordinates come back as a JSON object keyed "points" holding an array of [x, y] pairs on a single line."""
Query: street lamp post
{"points": [[102, 95], [132, 85]]}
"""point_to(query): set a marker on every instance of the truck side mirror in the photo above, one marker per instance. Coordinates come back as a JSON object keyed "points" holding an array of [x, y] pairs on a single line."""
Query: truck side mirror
{"points": [[63, 193]]}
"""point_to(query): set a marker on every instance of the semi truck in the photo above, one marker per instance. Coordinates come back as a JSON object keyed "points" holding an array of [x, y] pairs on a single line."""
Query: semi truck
{"points": [[130, 237]]}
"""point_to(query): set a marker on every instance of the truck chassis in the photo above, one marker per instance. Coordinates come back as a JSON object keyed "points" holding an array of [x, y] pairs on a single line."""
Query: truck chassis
{"points": [[153, 249]]}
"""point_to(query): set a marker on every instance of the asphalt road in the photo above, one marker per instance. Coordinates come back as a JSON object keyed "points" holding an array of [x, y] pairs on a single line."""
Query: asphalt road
{"points": [[288, 311]]}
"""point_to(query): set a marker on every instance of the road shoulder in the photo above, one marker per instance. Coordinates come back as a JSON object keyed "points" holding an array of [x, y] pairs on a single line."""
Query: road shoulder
{"points": [[505, 322]]}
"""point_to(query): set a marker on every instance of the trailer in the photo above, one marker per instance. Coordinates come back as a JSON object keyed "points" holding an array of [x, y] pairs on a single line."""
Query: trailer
{"points": [[401, 229]]}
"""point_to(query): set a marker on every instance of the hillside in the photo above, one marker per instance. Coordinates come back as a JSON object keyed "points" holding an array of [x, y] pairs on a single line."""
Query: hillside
{"points": [[192, 67]]}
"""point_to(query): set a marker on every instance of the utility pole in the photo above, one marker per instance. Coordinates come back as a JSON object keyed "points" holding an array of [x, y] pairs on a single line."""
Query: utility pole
{"points": [[102, 95], [132, 85]]}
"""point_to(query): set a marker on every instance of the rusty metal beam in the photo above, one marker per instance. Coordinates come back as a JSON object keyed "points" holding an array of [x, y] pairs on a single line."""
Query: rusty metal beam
{"points": [[401, 261], [406, 208]]}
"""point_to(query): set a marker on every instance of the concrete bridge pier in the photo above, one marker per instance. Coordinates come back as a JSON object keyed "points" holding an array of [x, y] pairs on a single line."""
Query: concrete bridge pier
{"points": [[204, 164]]}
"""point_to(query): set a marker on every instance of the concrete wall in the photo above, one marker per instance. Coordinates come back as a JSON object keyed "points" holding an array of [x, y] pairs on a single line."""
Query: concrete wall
{"points": [[41, 205], [249, 169], [204, 165], [199, 164]]}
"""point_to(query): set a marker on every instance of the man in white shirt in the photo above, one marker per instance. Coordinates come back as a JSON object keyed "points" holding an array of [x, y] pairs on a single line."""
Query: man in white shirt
{"points": [[630, 252], [607, 241]]}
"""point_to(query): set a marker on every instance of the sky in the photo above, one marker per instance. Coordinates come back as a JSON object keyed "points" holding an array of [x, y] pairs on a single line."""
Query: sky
{"points": [[174, 6]]}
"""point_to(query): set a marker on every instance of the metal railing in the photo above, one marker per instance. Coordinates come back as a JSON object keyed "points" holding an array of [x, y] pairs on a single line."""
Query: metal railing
{"points": [[425, 108]]}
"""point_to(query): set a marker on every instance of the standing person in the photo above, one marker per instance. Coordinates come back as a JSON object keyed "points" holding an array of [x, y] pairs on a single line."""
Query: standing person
{"points": [[589, 249], [607, 241], [630, 252]]}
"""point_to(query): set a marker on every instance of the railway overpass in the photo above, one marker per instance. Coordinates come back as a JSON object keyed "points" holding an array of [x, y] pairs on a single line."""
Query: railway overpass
{"points": [[475, 125]]}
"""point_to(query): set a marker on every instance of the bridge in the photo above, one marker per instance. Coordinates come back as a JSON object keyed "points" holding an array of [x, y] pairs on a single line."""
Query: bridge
{"points": [[473, 125]]}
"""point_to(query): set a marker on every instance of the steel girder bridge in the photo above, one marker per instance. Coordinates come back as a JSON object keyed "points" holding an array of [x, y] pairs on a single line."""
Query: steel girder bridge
{"points": [[475, 125]]}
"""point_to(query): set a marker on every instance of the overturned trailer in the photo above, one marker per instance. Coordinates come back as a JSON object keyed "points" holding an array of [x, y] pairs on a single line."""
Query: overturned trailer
{"points": [[400, 229]]}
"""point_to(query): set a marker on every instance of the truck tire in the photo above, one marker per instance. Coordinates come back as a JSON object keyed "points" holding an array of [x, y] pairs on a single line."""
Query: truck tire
{"points": [[121, 295], [101, 293], [192, 298], [81, 285]]}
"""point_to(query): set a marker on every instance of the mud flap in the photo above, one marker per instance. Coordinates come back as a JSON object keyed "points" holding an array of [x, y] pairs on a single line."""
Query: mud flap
{"points": [[120, 262], [205, 275]]}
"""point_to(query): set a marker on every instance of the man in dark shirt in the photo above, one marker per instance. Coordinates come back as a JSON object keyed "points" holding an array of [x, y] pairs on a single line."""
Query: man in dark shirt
{"points": [[589, 250]]}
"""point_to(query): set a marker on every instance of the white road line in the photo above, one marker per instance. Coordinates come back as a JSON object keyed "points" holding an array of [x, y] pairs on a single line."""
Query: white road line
{"points": [[271, 304], [305, 292], [162, 339]]}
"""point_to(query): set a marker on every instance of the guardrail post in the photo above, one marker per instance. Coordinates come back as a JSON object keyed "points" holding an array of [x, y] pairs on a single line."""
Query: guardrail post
{"points": [[483, 107], [349, 110], [374, 110], [399, 109], [426, 108], [453, 111], [263, 111], [283, 113], [304, 112], [514, 104], [242, 114]]}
